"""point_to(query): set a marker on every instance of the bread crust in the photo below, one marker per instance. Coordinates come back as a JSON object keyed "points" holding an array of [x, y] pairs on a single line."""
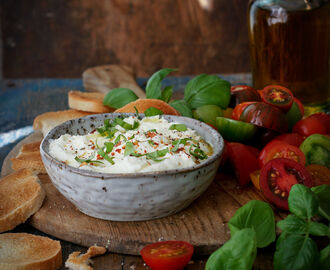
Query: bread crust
{"points": [[23, 251], [21, 195], [142, 104], [47, 121], [29, 157], [88, 101]]}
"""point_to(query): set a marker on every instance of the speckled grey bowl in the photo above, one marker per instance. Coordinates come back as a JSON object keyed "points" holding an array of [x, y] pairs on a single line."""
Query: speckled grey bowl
{"points": [[131, 196]]}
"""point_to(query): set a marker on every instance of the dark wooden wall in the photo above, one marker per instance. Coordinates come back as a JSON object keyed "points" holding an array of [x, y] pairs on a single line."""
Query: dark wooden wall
{"points": [[45, 38]]}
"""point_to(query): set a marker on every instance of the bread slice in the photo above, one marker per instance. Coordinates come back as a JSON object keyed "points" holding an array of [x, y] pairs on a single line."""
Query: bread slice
{"points": [[23, 251], [77, 261], [142, 104], [29, 157], [47, 121], [21, 195], [88, 102]]}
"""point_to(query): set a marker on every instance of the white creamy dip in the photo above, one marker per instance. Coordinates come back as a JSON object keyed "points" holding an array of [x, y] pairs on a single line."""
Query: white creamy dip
{"points": [[131, 145]]}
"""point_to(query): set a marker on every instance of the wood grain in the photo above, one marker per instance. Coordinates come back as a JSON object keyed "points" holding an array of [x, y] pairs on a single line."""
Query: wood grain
{"points": [[203, 224], [63, 38]]}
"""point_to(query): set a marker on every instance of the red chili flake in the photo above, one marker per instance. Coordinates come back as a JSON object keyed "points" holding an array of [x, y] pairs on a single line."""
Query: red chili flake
{"points": [[112, 154], [151, 134], [93, 147], [181, 149], [118, 150], [93, 131], [124, 146], [145, 151], [136, 143], [118, 143], [99, 157]]}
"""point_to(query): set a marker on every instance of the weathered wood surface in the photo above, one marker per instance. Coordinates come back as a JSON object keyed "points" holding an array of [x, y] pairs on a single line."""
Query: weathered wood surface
{"points": [[62, 38], [204, 223]]}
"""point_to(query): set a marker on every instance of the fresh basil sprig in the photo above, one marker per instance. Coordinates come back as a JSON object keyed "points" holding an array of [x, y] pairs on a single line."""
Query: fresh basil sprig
{"points": [[207, 90], [153, 88], [157, 154], [105, 154], [197, 152], [119, 97]]}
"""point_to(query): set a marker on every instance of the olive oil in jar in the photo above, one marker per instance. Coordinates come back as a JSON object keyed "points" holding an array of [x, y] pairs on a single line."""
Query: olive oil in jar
{"points": [[290, 46]]}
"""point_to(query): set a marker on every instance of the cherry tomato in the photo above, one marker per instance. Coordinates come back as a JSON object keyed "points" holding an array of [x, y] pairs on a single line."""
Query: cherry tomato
{"points": [[243, 95], [278, 176], [278, 149], [235, 131], [278, 96], [294, 139], [239, 109], [264, 115], [243, 160], [320, 174], [167, 255], [309, 126], [324, 118], [255, 178]]}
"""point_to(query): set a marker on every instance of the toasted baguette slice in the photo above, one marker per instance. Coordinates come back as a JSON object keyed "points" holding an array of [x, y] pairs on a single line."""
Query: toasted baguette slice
{"points": [[29, 157], [142, 104], [21, 195], [47, 121], [77, 261], [23, 251], [88, 102]]}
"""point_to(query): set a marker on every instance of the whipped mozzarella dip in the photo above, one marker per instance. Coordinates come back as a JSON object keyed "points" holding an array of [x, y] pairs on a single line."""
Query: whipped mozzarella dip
{"points": [[129, 145]]}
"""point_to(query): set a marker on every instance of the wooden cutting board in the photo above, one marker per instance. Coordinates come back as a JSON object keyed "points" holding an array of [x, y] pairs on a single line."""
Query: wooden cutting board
{"points": [[203, 223]]}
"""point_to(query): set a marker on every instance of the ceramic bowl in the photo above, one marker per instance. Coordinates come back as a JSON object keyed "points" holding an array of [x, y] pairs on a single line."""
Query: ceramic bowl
{"points": [[131, 196]]}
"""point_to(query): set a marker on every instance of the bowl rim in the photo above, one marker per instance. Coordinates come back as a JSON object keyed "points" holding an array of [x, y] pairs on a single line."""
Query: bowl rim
{"points": [[105, 176]]}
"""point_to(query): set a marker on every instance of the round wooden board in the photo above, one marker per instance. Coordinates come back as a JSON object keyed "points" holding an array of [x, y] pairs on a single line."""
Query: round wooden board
{"points": [[203, 223]]}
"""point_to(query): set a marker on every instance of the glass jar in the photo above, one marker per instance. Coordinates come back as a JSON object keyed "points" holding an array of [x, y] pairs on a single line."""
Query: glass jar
{"points": [[290, 46]]}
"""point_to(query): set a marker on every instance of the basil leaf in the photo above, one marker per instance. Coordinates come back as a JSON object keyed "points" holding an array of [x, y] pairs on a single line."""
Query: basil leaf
{"points": [[129, 149], [302, 201], [296, 252], [167, 93], [157, 154], [207, 90], [182, 107], [152, 111], [153, 88], [119, 97], [177, 143], [258, 216], [89, 160], [319, 229], [323, 194], [105, 156], [325, 258], [119, 121], [293, 225], [238, 253], [197, 152], [117, 140], [109, 146], [178, 127]]}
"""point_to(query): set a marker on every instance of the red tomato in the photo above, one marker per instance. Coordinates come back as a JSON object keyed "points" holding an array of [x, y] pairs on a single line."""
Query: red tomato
{"points": [[300, 105], [239, 109], [264, 115], [244, 161], [290, 138], [278, 96], [278, 149], [166, 255], [309, 126], [243, 95], [278, 176], [324, 118]]}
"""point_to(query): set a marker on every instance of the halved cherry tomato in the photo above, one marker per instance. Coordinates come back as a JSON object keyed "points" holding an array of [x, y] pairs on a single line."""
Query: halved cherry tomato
{"points": [[234, 130], [239, 109], [278, 176], [320, 174], [167, 255], [278, 149], [255, 178], [243, 95], [309, 126], [264, 115], [278, 96], [244, 161], [290, 138]]}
